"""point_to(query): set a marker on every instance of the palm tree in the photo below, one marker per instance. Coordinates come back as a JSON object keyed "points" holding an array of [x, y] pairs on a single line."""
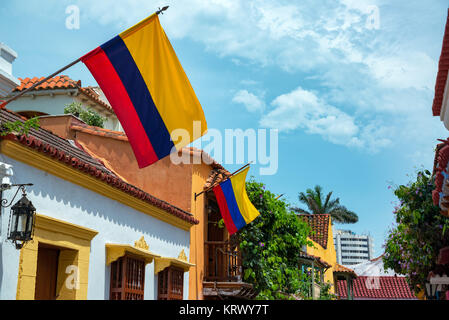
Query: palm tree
{"points": [[313, 199]]}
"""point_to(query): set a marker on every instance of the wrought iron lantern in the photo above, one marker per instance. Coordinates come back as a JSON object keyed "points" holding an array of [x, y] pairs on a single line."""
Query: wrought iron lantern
{"points": [[21, 223]]}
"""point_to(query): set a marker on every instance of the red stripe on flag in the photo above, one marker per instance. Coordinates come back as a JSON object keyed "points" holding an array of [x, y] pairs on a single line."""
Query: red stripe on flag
{"points": [[221, 200], [107, 78]]}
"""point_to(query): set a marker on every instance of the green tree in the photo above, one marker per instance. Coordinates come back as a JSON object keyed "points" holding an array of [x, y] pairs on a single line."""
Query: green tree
{"points": [[413, 243], [271, 245], [89, 116], [317, 204]]}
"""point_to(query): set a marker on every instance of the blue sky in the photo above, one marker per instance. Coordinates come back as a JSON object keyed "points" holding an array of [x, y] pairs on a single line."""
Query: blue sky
{"points": [[348, 83]]}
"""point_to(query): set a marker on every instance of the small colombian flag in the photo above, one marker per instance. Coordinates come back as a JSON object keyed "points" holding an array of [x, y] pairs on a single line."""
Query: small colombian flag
{"points": [[148, 90], [235, 207]]}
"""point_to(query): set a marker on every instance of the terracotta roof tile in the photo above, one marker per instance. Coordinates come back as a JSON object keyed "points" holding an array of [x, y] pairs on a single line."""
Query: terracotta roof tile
{"points": [[338, 268], [218, 173], [216, 176], [63, 150], [382, 288], [99, 131], [58, 82], [319, 223], [92, 95], [308, 256], [443, 68], [62, 82]]}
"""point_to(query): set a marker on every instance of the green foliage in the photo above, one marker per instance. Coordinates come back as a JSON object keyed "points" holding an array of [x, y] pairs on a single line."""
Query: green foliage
{"points": [[89, 116], [317, 204], [19, 127], [271, 245], [413, 244], [325, 292]]}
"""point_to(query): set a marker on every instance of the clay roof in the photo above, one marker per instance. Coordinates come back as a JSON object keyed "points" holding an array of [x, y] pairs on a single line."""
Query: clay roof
{"points": [[308, 256], [58, 82], [216, 176], [218, 173], [82, 127], [443, 68], [380, 288], [319, 223], [338, 268], [62, 82], [92, 95], [68, 152]]}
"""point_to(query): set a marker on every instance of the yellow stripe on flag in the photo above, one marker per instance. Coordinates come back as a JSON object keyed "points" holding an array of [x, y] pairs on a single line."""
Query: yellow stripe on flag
{"points": [[247, 209], [165, 78]]}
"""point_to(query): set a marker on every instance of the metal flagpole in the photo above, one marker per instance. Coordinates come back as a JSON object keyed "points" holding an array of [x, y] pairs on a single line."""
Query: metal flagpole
{"points": [[232, 174], [3, 105], [279, 197]]}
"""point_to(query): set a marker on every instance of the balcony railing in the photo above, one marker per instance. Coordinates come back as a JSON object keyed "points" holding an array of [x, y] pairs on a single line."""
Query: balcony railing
{"points": [[223, 262]]}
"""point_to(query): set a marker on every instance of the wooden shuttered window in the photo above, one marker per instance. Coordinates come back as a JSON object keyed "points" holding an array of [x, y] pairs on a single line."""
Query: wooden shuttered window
{"points": [[127, 279], [171, 284]]}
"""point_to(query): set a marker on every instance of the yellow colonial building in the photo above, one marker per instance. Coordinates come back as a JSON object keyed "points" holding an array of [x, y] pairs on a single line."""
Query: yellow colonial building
{"points": [[322, 255]]}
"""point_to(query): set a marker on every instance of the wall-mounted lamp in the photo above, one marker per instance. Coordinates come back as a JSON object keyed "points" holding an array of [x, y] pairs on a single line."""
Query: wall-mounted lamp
{"points": [[21, 222]]}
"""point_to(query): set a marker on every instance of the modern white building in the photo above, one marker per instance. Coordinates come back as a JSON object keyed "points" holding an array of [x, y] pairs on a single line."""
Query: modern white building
{"points": [[351, 248], [7, 81]]}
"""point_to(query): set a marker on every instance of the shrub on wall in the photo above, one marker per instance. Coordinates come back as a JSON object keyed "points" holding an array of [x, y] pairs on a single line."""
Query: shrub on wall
{"points": [[413, 244], [89, 116]]}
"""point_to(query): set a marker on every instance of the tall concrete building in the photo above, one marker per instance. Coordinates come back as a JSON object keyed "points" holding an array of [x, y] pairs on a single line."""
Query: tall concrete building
{"points": [[351, 248]]}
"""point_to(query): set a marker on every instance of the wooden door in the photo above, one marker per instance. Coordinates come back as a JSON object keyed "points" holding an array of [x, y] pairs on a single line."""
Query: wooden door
{"points": [[46, 273]]}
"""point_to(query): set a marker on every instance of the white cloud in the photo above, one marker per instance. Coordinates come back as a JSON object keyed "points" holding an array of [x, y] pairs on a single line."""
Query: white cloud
{"points": [[404, 70], [249, 82], [297, 36], [302, 109], [382, 79], [251, 102]]}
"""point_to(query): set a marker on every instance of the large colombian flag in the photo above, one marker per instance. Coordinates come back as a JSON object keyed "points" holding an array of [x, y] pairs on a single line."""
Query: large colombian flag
{"points": [[236, 209], [148, 90]]}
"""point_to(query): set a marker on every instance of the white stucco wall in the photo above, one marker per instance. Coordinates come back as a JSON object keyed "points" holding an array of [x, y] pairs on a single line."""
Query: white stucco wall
{"points": [[115, 223], [54, 105]]}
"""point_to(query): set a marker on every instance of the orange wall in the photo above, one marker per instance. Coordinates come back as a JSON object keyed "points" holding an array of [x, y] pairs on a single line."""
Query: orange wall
{"points": [[59, 125], [198, 232], [162, 179]]}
